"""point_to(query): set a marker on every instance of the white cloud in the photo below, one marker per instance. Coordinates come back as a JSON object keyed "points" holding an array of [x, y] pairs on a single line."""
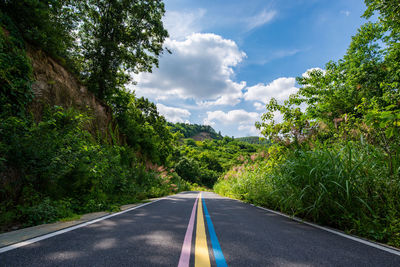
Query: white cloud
{"points": [[259, 106], [200, 68], [250, 129], [173, 114], [280, 89], [182, 24], [242, 119], [230, 99], [260, 19]]}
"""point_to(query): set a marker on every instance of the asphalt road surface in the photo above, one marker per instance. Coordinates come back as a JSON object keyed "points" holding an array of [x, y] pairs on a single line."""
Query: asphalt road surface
{"points": [[188, 230]]}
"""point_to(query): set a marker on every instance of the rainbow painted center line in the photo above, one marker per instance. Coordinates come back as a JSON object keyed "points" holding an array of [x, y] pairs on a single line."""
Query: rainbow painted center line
{"points": [[202, 256]]}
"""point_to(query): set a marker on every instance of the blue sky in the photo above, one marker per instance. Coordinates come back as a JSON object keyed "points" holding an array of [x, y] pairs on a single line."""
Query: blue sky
{"points": [[230, 57]]}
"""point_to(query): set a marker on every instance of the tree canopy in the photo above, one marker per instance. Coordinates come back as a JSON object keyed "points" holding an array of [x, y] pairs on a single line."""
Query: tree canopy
{"points": [[118, 37]]}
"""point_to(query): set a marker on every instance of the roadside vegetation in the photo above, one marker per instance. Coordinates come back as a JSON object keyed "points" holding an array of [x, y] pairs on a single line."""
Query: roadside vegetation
{"points": [[55, 167], [335, 158]]}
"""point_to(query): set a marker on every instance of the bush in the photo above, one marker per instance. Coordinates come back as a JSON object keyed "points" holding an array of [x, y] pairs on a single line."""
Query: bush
{"points": [[55, 168], [46, 211], [15, 70]]}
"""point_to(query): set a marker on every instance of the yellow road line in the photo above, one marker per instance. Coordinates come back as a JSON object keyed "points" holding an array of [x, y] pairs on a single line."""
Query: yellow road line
{"points": [[202, 258]]}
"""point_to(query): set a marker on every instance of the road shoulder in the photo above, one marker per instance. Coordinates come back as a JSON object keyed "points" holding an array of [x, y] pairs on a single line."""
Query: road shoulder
{"points": [[20, 235]]}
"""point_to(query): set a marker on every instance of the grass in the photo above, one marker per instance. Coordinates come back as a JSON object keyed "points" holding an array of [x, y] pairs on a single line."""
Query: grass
{"points": [[70, 218], [347, 186]]}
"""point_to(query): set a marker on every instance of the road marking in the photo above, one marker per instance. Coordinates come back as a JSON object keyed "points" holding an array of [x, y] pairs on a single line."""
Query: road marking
{"points": [[202, 257], [360, 240], [187, 243], [218, 255], [46, 236]]}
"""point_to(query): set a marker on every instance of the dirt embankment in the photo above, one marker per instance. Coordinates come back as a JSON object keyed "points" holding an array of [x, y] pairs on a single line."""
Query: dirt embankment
{"points": [[54, 85]]}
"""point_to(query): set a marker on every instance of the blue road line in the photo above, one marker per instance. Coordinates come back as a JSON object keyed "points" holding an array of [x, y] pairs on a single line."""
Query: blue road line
{"points": [[219, 256]]}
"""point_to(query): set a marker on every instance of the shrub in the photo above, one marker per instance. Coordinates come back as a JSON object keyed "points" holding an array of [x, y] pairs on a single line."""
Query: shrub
{"points": [[60, 169]]}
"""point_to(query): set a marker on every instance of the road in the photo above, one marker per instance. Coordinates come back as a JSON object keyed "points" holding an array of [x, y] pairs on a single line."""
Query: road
{"points": [[186, 230]]}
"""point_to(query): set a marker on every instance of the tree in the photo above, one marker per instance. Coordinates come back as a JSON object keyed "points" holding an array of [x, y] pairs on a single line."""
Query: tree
{"points": [[357, 96], [47, 24], [345, 92], [144, 128], [118, 37], [389, 14], [15, 70]]}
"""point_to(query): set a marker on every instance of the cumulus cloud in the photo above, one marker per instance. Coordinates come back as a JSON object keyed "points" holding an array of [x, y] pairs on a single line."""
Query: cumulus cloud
{"points": [[242, 119], [173, 114], [200, 68], [280, 89], [259, 106], [250, 129], [182, 24], [260, 19], [230, 99]]}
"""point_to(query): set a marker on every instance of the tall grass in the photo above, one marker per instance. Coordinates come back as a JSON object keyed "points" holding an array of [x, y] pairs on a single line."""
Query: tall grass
{"points": [[348, 186]]}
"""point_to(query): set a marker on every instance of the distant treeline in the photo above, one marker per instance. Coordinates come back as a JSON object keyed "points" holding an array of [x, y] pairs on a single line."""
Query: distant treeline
{"points": [[253, 140]]}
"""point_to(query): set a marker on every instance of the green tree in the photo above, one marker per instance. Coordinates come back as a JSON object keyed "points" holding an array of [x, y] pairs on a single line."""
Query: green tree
{"points": [[188, 169], [46, 24], [143, 127], [117, 37], [343, 94], [389, 14], [15, 70]]}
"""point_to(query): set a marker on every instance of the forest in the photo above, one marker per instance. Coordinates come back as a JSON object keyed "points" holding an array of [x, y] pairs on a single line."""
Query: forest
{"points": [[334, 159]]}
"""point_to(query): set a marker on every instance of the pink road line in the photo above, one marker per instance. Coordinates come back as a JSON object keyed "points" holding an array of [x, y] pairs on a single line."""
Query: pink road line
{"points": [[187, 243]]}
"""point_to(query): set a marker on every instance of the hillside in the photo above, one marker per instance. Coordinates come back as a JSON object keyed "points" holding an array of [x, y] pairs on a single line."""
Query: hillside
{"points": [[195, 131], [54, 85]]}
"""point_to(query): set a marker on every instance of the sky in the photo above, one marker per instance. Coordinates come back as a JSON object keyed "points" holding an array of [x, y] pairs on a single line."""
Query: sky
{"points": [[229, 58]]}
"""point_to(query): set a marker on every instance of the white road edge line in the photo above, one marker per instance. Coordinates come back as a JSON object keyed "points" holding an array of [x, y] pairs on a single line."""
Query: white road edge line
{"points": [[59, 232], [365, 242], [360, 240]]}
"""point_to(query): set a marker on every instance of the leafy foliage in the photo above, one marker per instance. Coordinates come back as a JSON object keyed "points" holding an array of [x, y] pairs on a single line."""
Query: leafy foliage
{"points": [[202, 162], [47, 24], [74, 168], [117, 37], [143, 128], [15, 70]]}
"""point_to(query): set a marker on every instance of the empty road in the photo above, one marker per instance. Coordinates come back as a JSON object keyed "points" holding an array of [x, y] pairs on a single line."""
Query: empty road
{"points": [[193, 229]]}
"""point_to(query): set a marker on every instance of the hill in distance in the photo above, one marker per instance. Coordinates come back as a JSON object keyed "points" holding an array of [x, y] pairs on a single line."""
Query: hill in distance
{"points": [[195, 131], [202, 132]]}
